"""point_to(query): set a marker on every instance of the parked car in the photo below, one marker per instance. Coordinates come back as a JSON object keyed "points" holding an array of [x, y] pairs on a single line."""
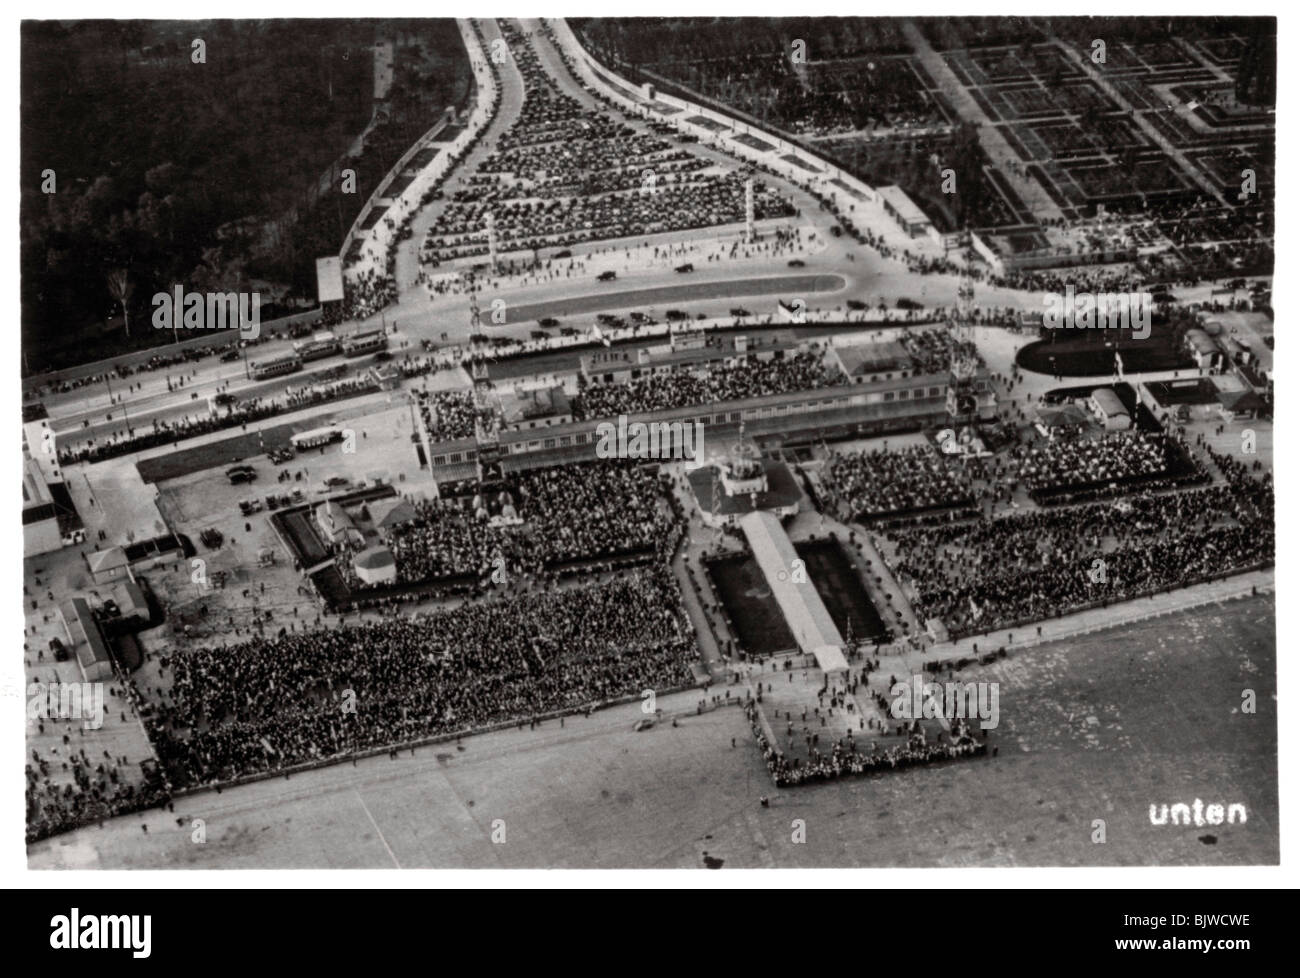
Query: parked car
{"points": [[796, 263], [683, 269], [606, 276]]}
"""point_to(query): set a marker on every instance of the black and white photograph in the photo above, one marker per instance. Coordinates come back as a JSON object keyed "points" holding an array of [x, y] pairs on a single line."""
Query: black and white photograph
{"points": [[728, 440]]}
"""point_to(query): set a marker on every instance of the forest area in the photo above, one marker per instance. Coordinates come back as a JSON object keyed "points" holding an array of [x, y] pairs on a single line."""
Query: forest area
{"points": [[143, 167]]}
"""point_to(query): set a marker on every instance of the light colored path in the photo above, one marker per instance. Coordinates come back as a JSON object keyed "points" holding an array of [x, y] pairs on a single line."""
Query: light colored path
{"points": [[991, 138]]}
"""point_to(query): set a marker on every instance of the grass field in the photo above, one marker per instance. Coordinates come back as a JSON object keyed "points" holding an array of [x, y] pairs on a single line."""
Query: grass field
{"points": [[841, 590], [1095, 728], [750, 605]]}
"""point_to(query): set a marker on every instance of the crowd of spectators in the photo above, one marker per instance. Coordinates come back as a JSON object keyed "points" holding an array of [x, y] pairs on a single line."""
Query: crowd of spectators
{"points": [[367, 292], [748, 378], [271, 703], [996, 572], [1116, 460], [932, 350], [447, 415], [539, 520], [847, 757], [882, 483]]}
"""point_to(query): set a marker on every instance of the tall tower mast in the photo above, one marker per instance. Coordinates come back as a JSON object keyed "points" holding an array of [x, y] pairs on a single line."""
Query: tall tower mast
{"points": [[475, 317], [749, 208], [492, 240]]}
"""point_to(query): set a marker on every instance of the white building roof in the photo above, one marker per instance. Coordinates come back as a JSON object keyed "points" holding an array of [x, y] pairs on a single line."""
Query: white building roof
{"points": [[802, 606]]}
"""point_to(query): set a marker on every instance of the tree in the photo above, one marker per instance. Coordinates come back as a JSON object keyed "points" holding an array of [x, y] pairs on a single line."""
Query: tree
{"points": [[120, 285]]}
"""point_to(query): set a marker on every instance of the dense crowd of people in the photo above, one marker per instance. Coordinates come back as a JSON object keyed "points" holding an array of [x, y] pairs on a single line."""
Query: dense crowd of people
{"points": [[847, 757], [996, 572], [881, 483], [367, 292], [805, 370], [271, 703], [447, 415], [553, 517], [932, 350], [1118, 459]]}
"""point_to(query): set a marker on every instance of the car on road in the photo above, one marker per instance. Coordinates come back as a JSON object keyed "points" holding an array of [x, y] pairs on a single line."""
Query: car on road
{"points": [[229, 355], [563, 253], [337, 482], [796, 263], [549, 322], [241, 473], [568, 331], [606, 276], [683, 269], [538, 334], [383, 356], [740, 313]]}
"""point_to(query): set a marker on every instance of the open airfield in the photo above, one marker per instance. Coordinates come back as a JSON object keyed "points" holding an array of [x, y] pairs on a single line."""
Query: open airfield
{"points": [[1096, 728]]}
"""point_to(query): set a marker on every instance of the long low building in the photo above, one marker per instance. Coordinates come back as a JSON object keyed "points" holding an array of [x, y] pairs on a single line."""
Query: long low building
{"points": [[801, 606], [858, 410], [85, 640]]}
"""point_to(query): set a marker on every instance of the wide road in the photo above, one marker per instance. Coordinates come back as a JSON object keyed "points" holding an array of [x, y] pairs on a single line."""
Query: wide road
{"points": [[786, 286]]}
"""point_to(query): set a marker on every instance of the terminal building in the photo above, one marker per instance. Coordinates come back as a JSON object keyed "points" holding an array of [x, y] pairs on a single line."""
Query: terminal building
{"points": [[883, 393]]}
